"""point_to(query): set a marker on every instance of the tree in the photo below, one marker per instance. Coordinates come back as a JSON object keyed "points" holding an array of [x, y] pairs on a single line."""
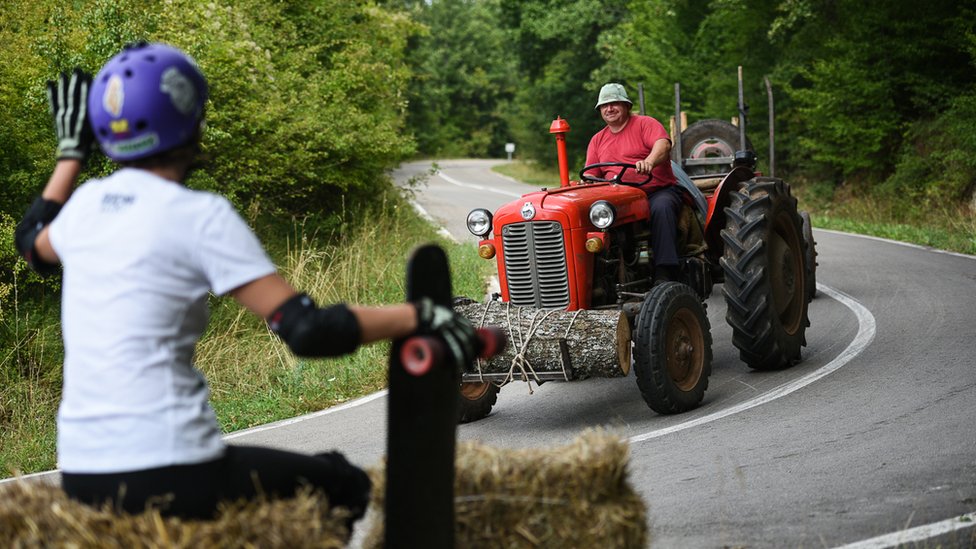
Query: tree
{"points": [[861, 76], [306, 111], [556, 44], [464, 76]]}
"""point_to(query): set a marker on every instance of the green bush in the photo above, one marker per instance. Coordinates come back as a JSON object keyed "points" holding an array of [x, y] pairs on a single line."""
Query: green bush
{"points": [[306, 112]]}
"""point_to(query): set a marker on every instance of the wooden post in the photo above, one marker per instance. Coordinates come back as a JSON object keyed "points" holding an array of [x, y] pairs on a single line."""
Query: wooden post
{"points": [[772, 135], [742, 115], [676, 135]]}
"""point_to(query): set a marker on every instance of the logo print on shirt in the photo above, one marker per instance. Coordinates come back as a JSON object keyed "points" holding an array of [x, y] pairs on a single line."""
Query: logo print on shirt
{"points": [[115, 202]]}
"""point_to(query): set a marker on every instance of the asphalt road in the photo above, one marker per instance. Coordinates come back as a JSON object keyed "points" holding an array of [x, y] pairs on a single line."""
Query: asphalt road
{"points": [[870, 440]]}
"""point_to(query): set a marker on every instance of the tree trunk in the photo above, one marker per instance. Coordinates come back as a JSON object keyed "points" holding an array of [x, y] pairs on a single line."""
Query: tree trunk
{"points": [[551, 344]]}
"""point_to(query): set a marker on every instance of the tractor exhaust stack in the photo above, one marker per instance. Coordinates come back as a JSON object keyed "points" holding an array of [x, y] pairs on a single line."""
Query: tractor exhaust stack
{"points": [[559, 128]]}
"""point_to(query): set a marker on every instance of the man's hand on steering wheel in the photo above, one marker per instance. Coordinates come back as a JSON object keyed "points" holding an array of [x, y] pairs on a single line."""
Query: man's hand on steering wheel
{"points": [[644, 167], [618, 179]]}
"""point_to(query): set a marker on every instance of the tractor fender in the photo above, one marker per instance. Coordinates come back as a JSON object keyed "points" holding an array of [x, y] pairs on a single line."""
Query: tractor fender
{"points": [[720, 199]]}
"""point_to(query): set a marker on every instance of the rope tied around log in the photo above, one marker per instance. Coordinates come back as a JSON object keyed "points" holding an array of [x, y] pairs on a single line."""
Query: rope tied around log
{"points": [[546, 344], [481, 324], [569, 327], [520, 343]]}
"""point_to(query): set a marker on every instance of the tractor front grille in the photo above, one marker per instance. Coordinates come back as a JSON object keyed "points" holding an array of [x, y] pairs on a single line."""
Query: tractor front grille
{"points": [[535, 264]]}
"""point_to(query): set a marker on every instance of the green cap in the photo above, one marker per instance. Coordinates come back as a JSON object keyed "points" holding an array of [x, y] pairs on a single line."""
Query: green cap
{"points": [[612, 92]]}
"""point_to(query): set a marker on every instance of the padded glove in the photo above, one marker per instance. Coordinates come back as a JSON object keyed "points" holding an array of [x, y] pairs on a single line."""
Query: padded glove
{"points": [[442, 322], [68, 100]]}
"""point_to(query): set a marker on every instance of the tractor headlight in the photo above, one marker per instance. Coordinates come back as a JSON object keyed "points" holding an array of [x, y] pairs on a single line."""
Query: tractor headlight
{"points": [[479, 222], [602, 214]]}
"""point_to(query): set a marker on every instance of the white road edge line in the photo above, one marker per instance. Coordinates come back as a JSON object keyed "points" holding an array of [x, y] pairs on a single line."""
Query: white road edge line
{"points": [[441, 230], [453, 181], [865, 334], [913, 535], [351, 404]]}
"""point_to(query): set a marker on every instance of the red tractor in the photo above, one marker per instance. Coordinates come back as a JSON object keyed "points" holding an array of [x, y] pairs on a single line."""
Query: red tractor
{"points": [[585, 246]]}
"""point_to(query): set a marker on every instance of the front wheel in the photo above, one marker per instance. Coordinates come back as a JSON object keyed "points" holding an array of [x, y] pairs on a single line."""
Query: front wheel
{"points": [[475, 400], [672, 349]]}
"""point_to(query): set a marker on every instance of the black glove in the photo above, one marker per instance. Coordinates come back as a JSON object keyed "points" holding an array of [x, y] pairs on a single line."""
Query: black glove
{"points": [[68, 100], [454, 329]]}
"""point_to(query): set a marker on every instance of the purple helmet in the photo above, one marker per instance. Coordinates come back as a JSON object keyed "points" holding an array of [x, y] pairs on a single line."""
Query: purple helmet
{"points": [[146, 100]]}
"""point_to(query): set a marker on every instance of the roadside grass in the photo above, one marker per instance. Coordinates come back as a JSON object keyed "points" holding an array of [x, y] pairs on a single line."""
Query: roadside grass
{"points": [[30, 383], [253, 377], [945, 227], [530, 173]]}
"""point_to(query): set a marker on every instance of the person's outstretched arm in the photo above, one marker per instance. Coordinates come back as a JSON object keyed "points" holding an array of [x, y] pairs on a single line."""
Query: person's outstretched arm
{"points": [[267, 294], [313, 331]]}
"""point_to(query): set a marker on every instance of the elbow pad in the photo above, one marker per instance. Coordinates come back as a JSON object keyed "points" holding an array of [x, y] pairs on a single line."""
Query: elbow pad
{"points": [[40, 214], [310, 331]]}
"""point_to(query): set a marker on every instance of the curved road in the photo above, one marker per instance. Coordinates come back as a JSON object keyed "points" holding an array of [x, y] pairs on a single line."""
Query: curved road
{"points": [[869, 442]]}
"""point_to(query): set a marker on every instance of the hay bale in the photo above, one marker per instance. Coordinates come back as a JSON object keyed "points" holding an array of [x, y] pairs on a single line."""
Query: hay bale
{"points": [[40, 515], [565, 497]]}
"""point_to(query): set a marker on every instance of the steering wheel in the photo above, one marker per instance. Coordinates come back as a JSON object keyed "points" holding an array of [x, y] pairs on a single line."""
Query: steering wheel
{"points": [[617, 180]]}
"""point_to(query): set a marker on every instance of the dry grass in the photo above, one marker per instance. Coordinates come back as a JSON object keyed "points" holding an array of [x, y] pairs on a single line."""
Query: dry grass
{"points": [[577, 495], [40, 515]]}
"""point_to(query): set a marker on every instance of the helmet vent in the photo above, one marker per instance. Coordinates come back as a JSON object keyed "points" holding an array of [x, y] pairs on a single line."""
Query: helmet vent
{"points": [[151, 58], [141, 124], [128, 73]]}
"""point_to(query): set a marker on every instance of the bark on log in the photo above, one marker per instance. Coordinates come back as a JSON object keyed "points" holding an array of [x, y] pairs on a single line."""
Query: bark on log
{"points": [[553, 344]]}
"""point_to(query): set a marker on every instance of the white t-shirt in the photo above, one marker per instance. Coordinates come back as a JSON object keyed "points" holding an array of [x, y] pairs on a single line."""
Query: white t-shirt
{"points": [[140, 256]]}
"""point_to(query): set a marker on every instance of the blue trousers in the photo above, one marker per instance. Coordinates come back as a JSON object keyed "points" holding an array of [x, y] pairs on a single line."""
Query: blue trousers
{"points": [[665, 206]]}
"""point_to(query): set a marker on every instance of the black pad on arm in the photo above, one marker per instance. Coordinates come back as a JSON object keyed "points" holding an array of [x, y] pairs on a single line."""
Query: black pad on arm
{"points": [[40, 214], [311, 331]]}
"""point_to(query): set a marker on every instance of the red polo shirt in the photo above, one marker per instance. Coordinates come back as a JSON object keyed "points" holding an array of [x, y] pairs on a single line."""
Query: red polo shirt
{"points": [[630, 145]]}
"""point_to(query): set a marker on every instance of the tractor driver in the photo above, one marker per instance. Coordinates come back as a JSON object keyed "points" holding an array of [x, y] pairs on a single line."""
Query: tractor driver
{"points": [[642, 141]]}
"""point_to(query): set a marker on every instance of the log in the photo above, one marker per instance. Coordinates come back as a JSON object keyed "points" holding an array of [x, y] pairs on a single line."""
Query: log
{"points": [[545, 344]]}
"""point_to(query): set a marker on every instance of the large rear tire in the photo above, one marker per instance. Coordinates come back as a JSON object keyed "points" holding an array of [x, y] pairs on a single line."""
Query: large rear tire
{"points": [[475, 400], [765, 274], [672, 349]]}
